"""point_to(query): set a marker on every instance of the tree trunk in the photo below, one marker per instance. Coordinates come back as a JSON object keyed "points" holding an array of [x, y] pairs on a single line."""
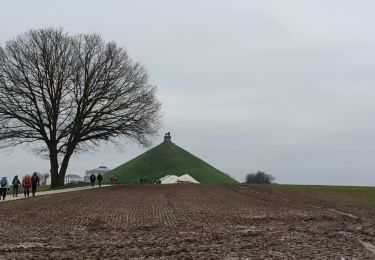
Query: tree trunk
{"points": [[64, 167], [55, 183]]}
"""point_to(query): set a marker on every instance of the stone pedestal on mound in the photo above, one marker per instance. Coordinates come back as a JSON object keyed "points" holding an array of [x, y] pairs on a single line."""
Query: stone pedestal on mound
{"points": [[167, 138]]}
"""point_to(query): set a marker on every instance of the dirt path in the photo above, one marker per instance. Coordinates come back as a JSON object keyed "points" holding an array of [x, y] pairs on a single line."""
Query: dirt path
{"points": [[183, 221]]}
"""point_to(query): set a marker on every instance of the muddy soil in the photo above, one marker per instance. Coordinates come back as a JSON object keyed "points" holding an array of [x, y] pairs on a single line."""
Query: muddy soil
{"points": [[183, 222]]}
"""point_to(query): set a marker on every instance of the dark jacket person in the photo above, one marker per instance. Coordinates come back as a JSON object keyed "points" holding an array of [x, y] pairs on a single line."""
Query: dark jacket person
{"points": [[16, 184], [34, 183], [92, 179], [4, 186], [99, 178]]}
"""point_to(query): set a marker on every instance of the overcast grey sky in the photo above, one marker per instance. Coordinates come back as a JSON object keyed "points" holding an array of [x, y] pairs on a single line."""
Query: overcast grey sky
{"points": [[287, 87]]}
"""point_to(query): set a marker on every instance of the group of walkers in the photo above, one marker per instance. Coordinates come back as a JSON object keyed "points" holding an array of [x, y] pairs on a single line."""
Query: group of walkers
{"points": [[33, 182], [145, 181], [93, 178], [27, 183], [99, 178], [114, 179]]}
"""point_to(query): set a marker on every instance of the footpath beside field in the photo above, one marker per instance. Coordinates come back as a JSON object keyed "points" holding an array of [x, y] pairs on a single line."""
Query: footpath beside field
{"points": [[9, 196]]}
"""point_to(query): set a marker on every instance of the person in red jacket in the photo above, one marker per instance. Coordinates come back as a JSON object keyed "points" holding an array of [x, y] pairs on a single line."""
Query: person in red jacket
{"points": [[26, 184]]}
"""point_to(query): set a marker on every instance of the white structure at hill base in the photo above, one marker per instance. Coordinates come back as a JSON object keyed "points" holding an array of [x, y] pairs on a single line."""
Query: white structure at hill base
{"points": [[72, 178], [170, 179], [187, 178]]}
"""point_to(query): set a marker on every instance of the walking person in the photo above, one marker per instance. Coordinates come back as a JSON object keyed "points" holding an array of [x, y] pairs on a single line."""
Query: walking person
{"points": [[34, 183], [99, 178], [4, 186], [26, 184], [113, 179], [92, 179], [16, 184]]}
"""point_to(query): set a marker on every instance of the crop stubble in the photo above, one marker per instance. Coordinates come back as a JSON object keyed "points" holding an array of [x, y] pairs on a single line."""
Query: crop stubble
{"points": [[185, 221]]}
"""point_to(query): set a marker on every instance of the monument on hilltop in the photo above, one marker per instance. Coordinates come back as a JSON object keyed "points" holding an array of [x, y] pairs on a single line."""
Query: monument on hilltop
{"points": [[167, 159], [167, 138]]}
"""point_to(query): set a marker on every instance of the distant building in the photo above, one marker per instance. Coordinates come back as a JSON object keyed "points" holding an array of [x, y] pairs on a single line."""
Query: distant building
{"points": [[96, 171], [72, 178]]}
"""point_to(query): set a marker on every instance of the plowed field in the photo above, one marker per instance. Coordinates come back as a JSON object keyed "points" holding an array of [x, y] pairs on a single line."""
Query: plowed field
{"points": [[187, 221]]}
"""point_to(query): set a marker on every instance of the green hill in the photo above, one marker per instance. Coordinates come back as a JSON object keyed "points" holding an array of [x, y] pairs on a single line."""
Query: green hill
{"points": [[167, 159]]}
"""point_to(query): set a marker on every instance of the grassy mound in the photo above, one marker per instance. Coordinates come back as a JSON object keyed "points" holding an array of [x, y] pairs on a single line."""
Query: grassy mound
{"points": [[167, 159]]}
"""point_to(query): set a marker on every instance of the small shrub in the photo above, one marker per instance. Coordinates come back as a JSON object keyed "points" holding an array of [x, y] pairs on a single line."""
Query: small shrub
{"points": [[259, 177]]}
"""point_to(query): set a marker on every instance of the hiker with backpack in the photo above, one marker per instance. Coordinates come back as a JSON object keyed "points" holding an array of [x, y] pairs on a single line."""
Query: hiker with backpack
{"points": [[3, 187], [92, 179], [26, 184], [16, 183], [99, 178], [34, 183]]}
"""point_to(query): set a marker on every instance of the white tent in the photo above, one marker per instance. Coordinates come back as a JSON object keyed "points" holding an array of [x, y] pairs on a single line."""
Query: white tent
{"points": [[170, 179], [187, 178]]}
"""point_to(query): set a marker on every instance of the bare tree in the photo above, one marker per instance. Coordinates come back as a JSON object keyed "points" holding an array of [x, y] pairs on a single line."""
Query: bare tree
{"points": [[45, 177], [40, 176], [64, 94]]}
